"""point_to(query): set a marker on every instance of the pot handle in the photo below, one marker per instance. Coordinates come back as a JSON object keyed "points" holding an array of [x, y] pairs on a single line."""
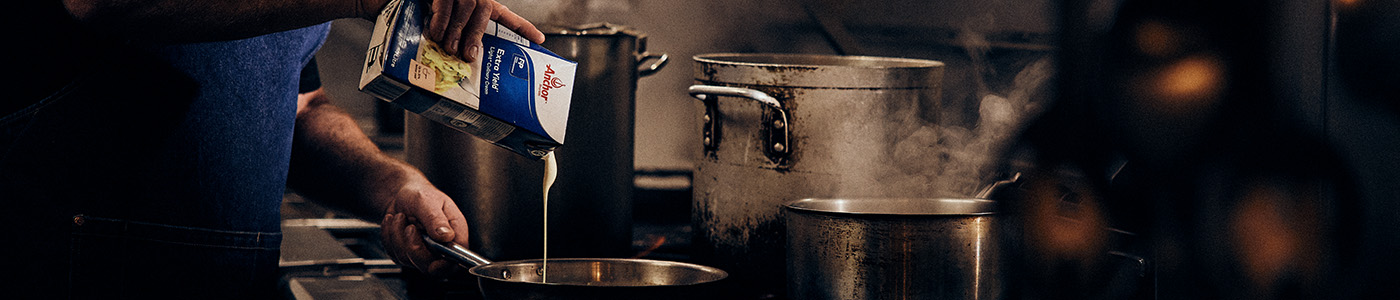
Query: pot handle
{"points": [[998, 186], [456, 252], [778, 144], [661, 61]]}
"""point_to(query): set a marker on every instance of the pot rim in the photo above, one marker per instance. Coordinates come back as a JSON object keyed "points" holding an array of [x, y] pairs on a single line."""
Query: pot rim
{"points": [[818, 71], [590, 29], [785, 60], [841, 206]]}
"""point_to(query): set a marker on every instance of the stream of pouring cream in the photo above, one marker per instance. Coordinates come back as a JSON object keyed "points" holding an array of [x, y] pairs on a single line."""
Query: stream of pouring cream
{"points": [[550, 171]]}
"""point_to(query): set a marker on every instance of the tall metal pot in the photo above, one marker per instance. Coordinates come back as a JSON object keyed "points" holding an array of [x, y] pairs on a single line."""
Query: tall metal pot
{"points": [[782, 127], [591, 201]]}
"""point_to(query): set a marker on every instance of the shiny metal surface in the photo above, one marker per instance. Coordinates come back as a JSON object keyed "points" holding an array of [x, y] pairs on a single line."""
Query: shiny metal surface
{"points": [[614, 272], [778, 135], [895, 207], [820, 71], [845, 116], [585, 278], [625, 279], [457, 253], [591, 200], [872, 248]]}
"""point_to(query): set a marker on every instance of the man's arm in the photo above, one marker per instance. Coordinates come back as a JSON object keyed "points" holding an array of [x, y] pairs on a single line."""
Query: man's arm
{"points": [[333, 160], [456, 24], [212, 20]]}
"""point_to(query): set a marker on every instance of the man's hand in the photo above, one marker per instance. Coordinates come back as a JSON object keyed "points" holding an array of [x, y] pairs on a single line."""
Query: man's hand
{"points": [[419, 208], [333, 160], [458, 25]]}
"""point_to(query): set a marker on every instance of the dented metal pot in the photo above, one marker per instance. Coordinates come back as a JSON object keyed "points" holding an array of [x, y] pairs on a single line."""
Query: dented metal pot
{"points": [[782, 127]]}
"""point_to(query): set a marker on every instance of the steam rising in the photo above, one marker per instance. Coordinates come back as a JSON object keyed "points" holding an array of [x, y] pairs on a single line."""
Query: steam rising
{"points": [[571, 12], [950, 160], [947, 158]]}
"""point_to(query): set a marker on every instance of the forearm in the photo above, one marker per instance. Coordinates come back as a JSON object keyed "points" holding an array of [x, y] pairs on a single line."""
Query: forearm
{"points": [[334, 161], [209, 20]]}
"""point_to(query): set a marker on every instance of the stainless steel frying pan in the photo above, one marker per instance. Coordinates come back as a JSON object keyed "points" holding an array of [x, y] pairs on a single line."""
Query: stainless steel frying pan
{"points": [[585, 278]]}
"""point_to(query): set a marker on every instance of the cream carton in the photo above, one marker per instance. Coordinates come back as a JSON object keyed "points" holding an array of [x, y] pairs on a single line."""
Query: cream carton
{"points": [[516, 95]]}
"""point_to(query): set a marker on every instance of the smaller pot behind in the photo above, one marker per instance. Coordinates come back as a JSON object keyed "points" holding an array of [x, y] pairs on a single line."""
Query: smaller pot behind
{"points": [[877, 248], [901, 248]]}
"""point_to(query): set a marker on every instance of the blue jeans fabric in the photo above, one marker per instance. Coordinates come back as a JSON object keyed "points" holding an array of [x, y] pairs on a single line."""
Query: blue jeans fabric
{"points": [[118, 258]]}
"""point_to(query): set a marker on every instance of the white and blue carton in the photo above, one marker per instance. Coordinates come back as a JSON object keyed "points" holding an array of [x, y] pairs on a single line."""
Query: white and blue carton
{"points": [[515, 96]]}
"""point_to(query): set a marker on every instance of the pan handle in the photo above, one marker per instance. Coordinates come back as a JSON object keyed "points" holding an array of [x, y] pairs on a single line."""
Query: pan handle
{"points": [[456, 252]]}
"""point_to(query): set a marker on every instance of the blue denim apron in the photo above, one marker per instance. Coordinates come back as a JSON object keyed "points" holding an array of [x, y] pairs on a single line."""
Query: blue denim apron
{"points": [[156, 173]]}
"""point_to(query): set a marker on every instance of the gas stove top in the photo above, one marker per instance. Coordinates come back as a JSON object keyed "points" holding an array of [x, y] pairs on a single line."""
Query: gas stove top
{"points": [[330, 254], [342, 259]]}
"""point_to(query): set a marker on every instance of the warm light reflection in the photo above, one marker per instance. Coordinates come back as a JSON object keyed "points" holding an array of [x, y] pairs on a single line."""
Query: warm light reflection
{"points": [[1264, 237], [597, 271], [1070, 234], [1348, 3], [977, 259], [841, 205], [1157, 39], [1189, 83]]}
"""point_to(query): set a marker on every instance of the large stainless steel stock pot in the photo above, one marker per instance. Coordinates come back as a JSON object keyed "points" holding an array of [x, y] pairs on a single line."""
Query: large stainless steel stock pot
{"points": [[782, 127]]}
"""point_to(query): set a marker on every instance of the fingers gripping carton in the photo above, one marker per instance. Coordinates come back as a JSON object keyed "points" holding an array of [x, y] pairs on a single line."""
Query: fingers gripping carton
{"points": [[516, 95]]}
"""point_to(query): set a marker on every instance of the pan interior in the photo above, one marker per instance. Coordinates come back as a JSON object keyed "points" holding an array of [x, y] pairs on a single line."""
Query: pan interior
{"points": [[602, 272]]}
